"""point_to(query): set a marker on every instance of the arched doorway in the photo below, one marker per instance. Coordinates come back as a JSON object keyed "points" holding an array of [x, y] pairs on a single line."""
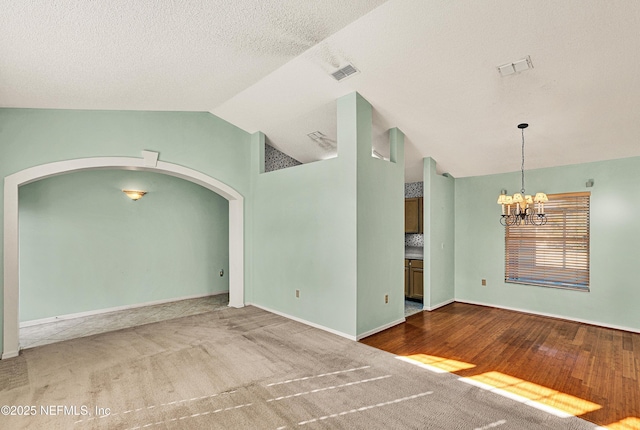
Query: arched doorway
{"points": [[148, 163]]}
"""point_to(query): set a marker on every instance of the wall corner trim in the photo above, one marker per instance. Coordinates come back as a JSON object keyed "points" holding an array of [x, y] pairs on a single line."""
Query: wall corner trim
{"points": [[545, 314], [439, 305], [112, 309], [303, 321], [381, 328], [10, 354]]}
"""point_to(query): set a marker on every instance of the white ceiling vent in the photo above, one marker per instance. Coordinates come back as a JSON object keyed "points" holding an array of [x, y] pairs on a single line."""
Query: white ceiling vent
{"points": [[516, 66], [322, 140], [316, 135], [344, 72]]}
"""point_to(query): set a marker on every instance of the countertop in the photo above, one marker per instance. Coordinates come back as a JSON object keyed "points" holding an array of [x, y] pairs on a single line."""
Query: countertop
{"points": [[413, 252]]}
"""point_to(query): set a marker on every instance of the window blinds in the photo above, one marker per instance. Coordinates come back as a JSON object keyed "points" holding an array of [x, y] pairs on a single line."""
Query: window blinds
{"points": [[555, 254]]}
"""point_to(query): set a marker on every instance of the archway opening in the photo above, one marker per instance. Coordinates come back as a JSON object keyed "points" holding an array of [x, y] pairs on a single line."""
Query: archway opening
{"points": [[11, 228]]}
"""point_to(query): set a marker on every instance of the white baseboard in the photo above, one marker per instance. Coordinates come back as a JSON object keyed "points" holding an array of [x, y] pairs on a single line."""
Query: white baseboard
{"points": [[439, 305], [544, 314], [309, 323], [330, 330], [114, 309], [379, 329], [10, 354]]}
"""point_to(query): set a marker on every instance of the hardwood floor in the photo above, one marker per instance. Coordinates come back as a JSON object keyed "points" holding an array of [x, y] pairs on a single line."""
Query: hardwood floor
{"points": [[589, 371]]}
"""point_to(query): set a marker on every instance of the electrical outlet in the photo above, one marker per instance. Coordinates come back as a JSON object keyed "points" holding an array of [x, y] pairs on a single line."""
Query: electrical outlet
{"points": [[386, 298], [297, 294], [221, 272], [484, 282]]}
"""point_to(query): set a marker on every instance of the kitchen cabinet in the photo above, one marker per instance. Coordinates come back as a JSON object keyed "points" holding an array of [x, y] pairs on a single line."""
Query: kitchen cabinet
{"points": [[407, 277], [413, 218], [414, 279]]}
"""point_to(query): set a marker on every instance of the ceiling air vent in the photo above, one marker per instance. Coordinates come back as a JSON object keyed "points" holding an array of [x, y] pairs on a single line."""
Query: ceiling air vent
{"points": [[322, 140], [344, 72], [316, 135], [516, 66]]}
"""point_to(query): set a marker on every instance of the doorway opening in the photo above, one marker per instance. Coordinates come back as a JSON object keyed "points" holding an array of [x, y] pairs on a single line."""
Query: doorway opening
{"points": [[11, 229]]}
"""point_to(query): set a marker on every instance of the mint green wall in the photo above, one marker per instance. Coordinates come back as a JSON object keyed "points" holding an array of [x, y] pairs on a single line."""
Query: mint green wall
{"points": [[305, 234], [309, 232], [304, 238], [439, 236], [198, 140], [380, 229], [84, 245], [615, 235]]}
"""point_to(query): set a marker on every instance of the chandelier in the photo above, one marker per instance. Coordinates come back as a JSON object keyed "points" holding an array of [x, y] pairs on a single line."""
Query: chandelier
{"points": [[521, 208]]}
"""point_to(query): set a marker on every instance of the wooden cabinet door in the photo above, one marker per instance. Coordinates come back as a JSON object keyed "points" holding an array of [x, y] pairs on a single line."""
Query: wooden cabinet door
{"points": [[412, 215], [407, 278], [416, 279], [421, 214], [417, 283]]}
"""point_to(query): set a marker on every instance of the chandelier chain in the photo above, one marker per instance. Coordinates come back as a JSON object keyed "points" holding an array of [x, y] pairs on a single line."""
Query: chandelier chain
{"points": [[522, 209], [522, 167]]}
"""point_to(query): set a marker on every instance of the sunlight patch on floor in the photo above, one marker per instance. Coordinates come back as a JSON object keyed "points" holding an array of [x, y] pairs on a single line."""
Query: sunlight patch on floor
{"points": [[534, 395], [552, 401], [436, 364], [629, 423]]}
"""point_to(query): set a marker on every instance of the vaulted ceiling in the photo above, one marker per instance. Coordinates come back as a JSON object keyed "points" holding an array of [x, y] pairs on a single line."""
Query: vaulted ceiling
{"points": [[427, 67]]}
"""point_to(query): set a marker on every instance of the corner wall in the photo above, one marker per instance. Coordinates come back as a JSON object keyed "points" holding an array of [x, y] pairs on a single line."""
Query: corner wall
{"points": [[614, 294], [439, 237], [304, 233], [380, 233], [333, 230]]}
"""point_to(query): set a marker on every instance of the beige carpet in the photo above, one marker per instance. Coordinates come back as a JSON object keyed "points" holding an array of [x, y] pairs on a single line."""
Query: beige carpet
{"points": [[65, 329], [242, 369]]}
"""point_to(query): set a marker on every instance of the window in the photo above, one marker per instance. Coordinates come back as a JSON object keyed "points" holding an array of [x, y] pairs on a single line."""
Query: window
{"points": [[555, 254]]}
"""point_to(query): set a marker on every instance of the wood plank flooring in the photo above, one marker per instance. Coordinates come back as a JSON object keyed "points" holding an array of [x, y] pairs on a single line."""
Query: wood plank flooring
{"points": [[242, 368], [591, 371]]}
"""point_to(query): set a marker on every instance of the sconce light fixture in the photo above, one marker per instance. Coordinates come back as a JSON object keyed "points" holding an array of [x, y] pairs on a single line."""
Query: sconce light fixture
{"points": [[134, 194]]}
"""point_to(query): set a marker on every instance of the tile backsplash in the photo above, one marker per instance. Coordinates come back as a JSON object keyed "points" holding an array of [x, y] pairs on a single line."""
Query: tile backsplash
{"points": [[413, 189], [413, 239]]}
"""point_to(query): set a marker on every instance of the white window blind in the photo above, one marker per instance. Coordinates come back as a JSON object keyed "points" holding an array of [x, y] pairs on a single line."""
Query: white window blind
{"points": [[555, 254]]}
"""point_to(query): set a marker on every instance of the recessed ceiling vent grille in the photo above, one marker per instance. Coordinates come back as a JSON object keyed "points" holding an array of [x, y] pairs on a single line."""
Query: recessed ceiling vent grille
{"points": [[344, 72], [316, 135], [516, 66]]}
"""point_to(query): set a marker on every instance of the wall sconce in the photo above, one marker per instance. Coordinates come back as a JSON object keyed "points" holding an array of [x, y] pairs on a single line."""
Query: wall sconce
{"points": [[134, 194]]}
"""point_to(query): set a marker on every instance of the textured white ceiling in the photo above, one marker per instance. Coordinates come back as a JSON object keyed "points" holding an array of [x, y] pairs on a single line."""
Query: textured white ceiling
{"points": [[155, 55], [427, 67]]}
